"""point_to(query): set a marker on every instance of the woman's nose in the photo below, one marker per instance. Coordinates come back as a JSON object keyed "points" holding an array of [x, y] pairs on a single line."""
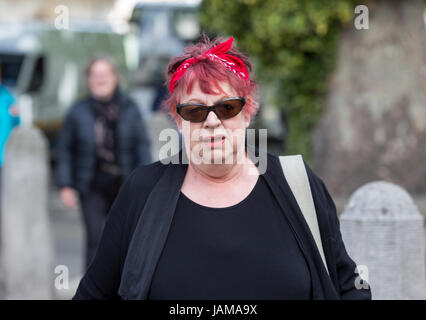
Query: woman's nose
{"points": [[212, 120]]}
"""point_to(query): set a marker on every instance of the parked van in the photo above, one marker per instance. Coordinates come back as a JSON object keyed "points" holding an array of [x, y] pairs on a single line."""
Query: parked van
{"points": [[44, 66]]}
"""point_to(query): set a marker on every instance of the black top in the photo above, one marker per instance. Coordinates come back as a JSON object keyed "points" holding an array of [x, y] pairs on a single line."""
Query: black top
{"points": [[245, 251]]}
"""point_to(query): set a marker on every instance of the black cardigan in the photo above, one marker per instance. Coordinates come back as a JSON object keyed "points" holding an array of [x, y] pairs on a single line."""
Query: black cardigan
{"points": [[76, 144], [140, 218]]}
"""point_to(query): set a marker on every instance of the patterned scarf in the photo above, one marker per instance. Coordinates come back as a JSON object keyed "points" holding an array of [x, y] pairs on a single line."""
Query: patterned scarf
{"points": [[106, 114]]}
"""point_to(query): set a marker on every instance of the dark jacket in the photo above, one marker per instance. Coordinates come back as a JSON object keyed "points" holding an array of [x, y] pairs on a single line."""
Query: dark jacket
{"points": [[76, 146], [140, 219]]}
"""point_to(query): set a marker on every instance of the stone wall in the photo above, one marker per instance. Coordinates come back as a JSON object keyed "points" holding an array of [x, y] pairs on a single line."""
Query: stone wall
{"points": [[374, 126]]}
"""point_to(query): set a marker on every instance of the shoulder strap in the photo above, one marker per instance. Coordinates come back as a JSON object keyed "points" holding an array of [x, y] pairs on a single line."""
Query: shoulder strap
{"points": [[297, 178]]}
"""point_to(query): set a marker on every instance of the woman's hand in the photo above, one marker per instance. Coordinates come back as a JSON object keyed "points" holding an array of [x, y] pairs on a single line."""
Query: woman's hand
{"points": [[14, 111], [68, 197]]}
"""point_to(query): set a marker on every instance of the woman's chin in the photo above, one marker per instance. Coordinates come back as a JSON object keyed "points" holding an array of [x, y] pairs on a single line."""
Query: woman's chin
{"points": [[214, 156], [220, 157]]}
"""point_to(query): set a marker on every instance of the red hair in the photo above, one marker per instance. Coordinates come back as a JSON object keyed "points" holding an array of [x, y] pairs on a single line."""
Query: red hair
{"points": [[208, 74]]}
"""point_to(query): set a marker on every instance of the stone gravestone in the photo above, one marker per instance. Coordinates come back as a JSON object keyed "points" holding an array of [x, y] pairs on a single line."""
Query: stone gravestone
{"points": [[383, 230], [26, 242]]}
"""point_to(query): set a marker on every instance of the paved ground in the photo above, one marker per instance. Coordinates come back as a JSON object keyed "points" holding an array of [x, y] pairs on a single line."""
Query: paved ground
{"points": [[69, 242]]}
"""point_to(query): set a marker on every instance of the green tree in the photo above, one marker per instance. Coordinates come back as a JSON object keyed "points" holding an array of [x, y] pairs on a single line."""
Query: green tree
{"points": [[293, 46]]}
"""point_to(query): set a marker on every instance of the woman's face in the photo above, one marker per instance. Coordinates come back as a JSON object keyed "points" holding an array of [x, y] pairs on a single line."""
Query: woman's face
{"points": [[229, 135], [102, 80]]}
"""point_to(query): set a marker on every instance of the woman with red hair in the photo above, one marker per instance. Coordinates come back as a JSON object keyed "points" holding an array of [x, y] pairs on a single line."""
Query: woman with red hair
{"points": [[217, 226]]}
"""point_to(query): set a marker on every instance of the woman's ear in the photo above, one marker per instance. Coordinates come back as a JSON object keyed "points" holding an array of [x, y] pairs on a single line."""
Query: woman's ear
{"points": [[253, 106], [247, 118]]}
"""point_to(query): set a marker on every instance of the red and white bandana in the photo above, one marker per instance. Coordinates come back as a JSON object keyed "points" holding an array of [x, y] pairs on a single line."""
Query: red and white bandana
{"points": [[217, 54]]}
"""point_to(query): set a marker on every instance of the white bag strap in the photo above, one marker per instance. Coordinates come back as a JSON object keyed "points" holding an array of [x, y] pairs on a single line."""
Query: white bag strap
{"points": [[297, 178]]}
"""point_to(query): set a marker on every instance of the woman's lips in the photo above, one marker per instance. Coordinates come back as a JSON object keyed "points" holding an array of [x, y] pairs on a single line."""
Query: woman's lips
{"points": [[215, 142]]}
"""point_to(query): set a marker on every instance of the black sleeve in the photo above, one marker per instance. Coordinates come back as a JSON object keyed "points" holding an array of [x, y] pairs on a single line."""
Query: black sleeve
{"points": [[345, 266], [65, 153], [102, 279]]}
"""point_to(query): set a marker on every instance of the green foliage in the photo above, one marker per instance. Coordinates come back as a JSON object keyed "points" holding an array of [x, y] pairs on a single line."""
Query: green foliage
{"points": [[293, 46]]}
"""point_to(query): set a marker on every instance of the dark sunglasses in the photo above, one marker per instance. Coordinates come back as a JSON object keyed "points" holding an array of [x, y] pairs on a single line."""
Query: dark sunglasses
{"points": [[224, 109]]}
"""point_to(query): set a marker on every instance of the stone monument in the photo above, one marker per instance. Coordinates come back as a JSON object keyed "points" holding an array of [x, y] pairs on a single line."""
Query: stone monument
{"points": [[383, 230], [26, 241]]}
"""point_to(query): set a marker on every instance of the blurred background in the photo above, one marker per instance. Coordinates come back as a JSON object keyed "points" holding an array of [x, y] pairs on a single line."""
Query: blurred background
{"points": [[344, 87]]}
